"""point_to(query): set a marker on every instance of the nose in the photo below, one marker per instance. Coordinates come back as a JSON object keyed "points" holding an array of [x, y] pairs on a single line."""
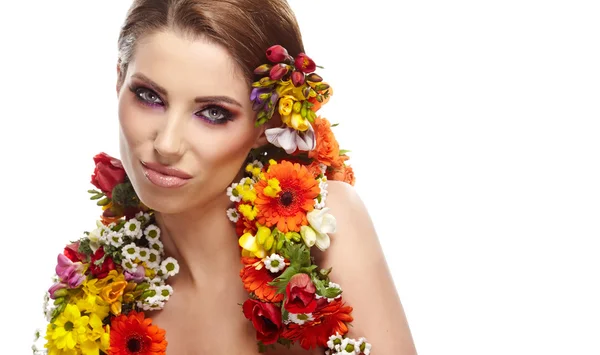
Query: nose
{"points": [[170, 140]]}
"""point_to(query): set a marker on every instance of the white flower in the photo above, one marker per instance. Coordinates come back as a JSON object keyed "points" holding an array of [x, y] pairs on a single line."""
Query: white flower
{"points": [[359, 345], [130, 251], [335, 341], [233, 194], [144, 254], [169, 267], [309, 236], [348, 347], [323, 223], [164, 292], [114, 238], [142, 217], [152, 233], [129, 265], [156, 281], [157, 245], [257, 164], [153, 261], [274, 263], [301, 318], [233, 215], [290, 139], [323, 168], [133, 228]]}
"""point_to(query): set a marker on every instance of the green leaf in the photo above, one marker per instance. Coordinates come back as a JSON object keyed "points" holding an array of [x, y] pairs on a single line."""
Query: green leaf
{"points": [[297, 254], [320, 285], [335, 125], [96, 197], [332, 292], [280, 283], [84, 247], [344, 151], [308, 269]]}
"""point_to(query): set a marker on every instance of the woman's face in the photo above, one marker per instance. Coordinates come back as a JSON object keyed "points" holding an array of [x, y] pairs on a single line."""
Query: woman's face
{"points": [[184, 105]]}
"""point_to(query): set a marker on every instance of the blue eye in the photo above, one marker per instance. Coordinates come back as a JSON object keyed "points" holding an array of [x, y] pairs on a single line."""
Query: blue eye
{"points": [[146, 96], [215, 114]]}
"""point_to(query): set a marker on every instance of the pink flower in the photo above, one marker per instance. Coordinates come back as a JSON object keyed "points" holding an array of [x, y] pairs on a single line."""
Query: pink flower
{"points": [[137, 276], [277, 54], [300, 294], [69, 272], [53, 290], [304, 63]]}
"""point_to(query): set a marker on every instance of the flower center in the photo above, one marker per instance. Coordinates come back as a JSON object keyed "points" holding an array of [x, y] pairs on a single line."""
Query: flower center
{"points": [[134, 345], [268, 323], [69, 326], [302, 316], [274, 263], [286, 198]]}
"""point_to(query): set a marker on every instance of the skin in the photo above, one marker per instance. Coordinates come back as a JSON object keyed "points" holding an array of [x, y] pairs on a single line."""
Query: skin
{"points": [[203, 315]]}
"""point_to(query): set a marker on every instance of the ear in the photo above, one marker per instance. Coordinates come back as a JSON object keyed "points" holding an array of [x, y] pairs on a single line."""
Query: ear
{"points": [[275, 121]]}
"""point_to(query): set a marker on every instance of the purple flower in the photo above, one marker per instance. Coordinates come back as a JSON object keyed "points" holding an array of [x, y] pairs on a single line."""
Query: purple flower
{"points": [[137, 276], [53, 290]]}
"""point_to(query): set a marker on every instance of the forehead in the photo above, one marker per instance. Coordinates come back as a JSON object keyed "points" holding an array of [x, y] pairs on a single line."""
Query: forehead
{"points": [[188, 67]]}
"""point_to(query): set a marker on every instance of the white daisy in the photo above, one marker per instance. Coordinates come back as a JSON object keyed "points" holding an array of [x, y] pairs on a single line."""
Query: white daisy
{"points": [[133, 228], [153, 261], [348, 347], [247, 181], [152, 233], [164, 292], [233, 193], [335, 342], [362, 346], [143, 254], [274, 263], [130, 251], [233, 215], [158, 246], [169, 267], [129, 265], [301, 318], [114, 238], [111, 225], [142, 217]]}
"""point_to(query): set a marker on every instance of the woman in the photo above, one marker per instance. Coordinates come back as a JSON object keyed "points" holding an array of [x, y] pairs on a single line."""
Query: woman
{"points": [[193, 146]]}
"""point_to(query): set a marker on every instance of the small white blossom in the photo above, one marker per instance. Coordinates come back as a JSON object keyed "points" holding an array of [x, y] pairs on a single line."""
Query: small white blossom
{"points": [[158, 246], [348, 347], [301, 318], [233, 194], [153, 261], [367, 346], [133, 228], [114, 238], [164, 292], [142, 217], [143, 254], [335, 342], [169, 267], [130, 251], [233, 215], [129, 265], [247, 181], [152, 233], [274, 263]]}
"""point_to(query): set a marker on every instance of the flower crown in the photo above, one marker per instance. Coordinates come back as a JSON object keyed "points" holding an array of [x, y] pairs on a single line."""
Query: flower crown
{"points": [[289, 85], [107, 279]]}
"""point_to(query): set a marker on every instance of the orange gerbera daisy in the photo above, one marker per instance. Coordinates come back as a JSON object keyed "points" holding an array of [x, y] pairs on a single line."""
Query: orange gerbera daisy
{"points": [[256, 280], [133, 334], [288, 208], [331, 318]]}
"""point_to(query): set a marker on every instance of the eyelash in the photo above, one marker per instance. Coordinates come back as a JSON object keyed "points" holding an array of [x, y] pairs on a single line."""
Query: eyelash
{"points": [[140, 91]]}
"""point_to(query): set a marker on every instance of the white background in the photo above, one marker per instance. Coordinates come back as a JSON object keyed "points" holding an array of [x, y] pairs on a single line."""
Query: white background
{"points": [[474, 134]]}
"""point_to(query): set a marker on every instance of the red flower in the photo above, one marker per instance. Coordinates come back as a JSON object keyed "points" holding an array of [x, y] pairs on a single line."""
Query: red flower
{"points": [[277, 54], [256, 278], [133, 334], [279, 71], [330, 318], [266, 318], [297, 78], [71, 251], [300, 294], [304, 63], [108, 173], [101, 271]]}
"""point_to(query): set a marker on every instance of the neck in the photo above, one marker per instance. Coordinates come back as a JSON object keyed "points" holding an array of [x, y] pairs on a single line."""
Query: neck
{"points": [[204, 242]]}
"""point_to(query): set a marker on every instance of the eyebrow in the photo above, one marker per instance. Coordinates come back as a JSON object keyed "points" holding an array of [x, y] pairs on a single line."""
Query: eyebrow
{"points": [[199, 99]]}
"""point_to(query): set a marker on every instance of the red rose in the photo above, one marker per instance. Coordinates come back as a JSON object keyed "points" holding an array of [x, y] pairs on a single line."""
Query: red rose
{"points": [[266, 318], [277, 54], [72, 252], [108, 173], [304, 63], [300, 295], [101, 271]]}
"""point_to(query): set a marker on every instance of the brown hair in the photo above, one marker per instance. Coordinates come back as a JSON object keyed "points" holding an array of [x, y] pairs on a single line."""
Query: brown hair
{"points": [[246, 28]]}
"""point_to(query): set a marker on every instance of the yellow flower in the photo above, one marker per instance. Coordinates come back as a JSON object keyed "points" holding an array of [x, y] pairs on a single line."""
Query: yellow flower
{"points": [[93, 304], [113, 295], [249, 243], [285, 105], [298, 122], [67, 330], [97, 332], [273, 189], [250, 212]]}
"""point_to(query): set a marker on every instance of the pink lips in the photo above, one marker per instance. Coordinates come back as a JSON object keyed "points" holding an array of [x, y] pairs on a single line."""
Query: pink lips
{"points": [[165, 176]]}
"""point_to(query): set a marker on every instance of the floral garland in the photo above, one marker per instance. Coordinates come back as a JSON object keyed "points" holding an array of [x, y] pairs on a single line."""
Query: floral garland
{"points": [[106, 280]]}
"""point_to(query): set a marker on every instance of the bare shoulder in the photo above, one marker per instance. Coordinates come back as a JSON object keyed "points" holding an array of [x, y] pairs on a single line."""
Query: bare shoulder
{"points": [[360, 268]]}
